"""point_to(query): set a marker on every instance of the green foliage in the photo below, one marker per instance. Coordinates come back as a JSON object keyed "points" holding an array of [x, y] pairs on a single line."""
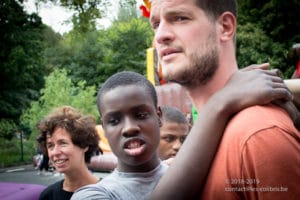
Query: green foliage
{"points": [[60, 90], [10, 152], [279, 19], [127, 10], [86, 12], [96, 55], [7, 129], [254, 46], [83, 57], [127, 43], [274, 27], [21, 52]]}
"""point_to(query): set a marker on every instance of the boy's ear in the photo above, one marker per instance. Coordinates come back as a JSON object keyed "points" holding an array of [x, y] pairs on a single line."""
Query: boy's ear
{"points": [[227, 24], [159, 113]]}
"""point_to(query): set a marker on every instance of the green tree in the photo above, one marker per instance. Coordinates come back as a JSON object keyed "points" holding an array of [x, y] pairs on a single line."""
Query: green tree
{"points": [[279, 19], [279, 22], [254, 46], [59, 90], [7, 129], [99, 54], [127, 42], [82, 57], [21, 53], [85, 12], [127, 10]]}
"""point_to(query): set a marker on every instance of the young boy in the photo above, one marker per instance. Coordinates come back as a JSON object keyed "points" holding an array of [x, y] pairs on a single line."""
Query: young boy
{"points": [[131, 120], [173, 132]]}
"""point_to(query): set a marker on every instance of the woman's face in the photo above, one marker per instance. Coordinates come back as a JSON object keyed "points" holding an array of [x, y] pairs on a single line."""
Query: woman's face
{"points": [[65, 156]]}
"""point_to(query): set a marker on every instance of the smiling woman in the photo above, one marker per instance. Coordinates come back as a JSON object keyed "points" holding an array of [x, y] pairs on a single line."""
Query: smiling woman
{"points": [[70, 140]]}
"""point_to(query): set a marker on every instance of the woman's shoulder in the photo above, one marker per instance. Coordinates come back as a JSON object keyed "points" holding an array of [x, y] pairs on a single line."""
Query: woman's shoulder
{"points": [[51, 190]]}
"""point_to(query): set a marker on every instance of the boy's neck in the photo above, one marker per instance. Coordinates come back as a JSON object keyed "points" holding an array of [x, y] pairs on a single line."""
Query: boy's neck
{"points": [[146, 167]]}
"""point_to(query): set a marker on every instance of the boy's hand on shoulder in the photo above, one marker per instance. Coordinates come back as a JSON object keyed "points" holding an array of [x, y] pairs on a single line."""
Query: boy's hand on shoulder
{"points": [[286, 100]]}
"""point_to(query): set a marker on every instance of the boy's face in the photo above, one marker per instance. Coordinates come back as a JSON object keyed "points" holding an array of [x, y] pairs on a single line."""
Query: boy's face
{"points": [[172, 136], [131, 124]]}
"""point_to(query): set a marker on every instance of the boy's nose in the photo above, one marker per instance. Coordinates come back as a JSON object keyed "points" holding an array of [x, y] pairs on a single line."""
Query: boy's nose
{"points": [[177, 144], [130, 128]]}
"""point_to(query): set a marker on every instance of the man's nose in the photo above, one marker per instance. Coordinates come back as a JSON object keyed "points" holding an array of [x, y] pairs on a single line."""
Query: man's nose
{"points": [[163, 33]]}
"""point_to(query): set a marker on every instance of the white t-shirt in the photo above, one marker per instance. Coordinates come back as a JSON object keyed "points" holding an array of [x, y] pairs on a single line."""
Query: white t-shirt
{"points": [[121, 185]]}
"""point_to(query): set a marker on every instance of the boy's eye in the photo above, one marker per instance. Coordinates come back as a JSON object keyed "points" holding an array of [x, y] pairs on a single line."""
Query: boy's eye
{"points": [[142, 115], [113, 121], [169, 138], [182, 138]]}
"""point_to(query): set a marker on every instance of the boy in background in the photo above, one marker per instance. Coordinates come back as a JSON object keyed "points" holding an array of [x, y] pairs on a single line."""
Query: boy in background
{"points": [[173, 132]]}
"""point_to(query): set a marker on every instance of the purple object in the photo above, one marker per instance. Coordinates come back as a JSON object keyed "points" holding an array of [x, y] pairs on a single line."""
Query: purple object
{"points": [[16, 191]]}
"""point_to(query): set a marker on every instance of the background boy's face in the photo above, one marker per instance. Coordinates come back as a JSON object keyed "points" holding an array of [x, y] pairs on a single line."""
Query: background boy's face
{"points": [[131, 124], [172, 135]]}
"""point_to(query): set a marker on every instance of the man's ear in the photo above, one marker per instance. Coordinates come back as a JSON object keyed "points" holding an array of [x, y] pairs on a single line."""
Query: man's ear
{"points": [[227, 24]]}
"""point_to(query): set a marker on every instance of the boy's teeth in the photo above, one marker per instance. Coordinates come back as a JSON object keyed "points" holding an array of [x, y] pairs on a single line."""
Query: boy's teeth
{"points": [[133, 145]]}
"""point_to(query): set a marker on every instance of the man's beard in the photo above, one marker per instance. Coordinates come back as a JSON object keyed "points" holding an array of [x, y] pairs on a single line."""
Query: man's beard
{"points": [[202, 66]]}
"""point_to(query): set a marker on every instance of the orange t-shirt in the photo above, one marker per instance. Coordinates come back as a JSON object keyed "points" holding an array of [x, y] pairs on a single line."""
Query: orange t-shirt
{"points": [[258, 158]]}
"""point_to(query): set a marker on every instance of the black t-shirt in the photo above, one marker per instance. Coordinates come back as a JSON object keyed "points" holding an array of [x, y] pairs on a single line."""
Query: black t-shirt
{"points": [[55, 192]]}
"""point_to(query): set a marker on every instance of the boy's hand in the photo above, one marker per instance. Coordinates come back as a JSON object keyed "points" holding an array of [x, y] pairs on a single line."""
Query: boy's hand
{"points": [[284, 102]]}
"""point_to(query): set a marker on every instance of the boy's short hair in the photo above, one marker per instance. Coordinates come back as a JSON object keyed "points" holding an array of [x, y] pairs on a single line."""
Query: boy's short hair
{"points": [[173, 114], [126, 78]]}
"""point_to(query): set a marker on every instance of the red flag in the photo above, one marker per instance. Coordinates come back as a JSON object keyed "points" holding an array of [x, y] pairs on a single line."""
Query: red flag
{"points": [[145, 11]]}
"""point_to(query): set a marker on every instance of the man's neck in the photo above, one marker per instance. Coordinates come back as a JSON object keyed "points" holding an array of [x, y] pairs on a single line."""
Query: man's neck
{"points": [[202, 93]]}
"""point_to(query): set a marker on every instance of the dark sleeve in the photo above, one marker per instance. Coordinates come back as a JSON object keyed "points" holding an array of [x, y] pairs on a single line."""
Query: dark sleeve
{"points": [[51, 192]]}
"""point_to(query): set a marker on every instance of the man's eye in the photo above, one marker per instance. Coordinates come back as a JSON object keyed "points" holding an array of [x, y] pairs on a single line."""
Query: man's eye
{"points": [[180, 18], [155, 25]]}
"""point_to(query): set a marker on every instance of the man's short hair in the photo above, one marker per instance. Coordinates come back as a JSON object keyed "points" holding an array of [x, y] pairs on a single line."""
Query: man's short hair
{"points": [[214, 8]]}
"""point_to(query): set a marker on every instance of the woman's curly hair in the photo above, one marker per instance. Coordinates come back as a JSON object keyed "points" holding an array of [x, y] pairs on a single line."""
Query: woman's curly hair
{"points": [[82, 129]]}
